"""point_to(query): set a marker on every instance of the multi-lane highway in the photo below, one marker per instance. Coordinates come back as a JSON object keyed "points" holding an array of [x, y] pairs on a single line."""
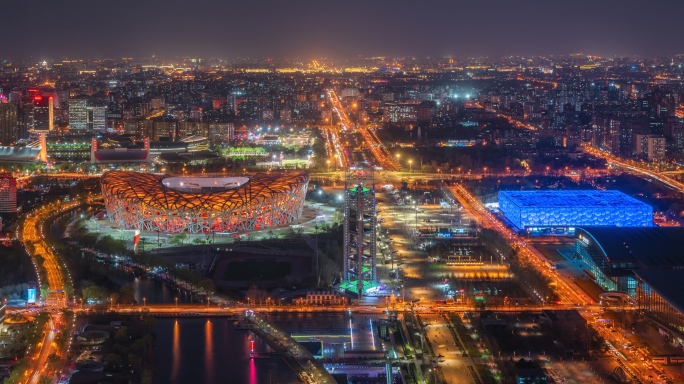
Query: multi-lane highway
{"points": [[571, 295], [31, 232], [425, 307], [382, 156], [636, 168], [568, 294]]}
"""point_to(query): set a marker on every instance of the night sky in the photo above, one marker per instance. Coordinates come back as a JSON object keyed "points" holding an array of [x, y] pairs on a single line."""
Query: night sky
{"points": [[257, 28]]}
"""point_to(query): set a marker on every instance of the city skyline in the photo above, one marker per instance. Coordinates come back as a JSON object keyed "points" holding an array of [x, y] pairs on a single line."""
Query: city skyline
{"points": [[325, 192], [326, 29]]}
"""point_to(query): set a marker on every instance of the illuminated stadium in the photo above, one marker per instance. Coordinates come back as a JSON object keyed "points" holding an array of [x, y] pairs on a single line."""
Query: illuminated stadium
{"points": [[203, 204], [532, 210]]}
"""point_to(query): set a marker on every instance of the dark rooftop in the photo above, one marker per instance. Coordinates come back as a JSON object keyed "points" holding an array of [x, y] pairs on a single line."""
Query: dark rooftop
{"points": [[667, 283], [651, 247]]}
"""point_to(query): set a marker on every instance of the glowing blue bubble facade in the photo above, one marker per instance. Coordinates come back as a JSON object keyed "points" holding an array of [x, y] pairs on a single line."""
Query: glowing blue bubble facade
{"points": [[534, 209]]}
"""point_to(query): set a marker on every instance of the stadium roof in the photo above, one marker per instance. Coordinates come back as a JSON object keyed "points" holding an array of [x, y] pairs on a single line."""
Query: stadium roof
{"points": [[651, 247], [668, 284], [194, 139], [121, 154], [25, 153], [149, 190], [574, 199]]}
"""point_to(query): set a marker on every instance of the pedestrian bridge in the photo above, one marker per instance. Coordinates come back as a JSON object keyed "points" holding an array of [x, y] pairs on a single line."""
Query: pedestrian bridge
{"points": [[617, 296]]}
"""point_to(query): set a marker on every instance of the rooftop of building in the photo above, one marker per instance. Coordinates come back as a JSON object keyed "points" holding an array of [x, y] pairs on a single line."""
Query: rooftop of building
{"points": [[667, 283], [562, 315], [652, 247], [570, 198], [18, 153], [194, 139]]}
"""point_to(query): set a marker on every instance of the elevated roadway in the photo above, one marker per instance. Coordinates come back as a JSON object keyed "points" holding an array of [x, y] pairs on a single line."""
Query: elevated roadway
{"points": [[635, 168], [31, 233], [569, 292], [201, 310], [382, 156]]}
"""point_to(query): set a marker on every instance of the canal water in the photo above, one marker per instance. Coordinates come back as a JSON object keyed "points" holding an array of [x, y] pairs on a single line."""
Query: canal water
{"points": [[155, 291], [201, 350], [212, 351]]}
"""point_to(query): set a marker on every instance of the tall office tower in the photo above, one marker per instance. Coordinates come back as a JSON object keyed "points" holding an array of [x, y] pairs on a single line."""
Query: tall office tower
{"points": [[221, 132], [234, 102], [51, 93], [78, 114], [650, 147], [15, 97], [286, 115], [43, 113], [97, 119], [359, 269], [62, 99], [8, 124], [8, 193]]}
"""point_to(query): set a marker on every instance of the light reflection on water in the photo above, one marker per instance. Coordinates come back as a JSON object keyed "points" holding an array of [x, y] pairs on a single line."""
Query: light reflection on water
{"points": [[209, 350], [176, 351], [221, 356]]}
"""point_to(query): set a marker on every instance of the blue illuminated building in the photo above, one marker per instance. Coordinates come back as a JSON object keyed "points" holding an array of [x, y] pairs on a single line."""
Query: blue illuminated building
{"points": [[533, 210]]}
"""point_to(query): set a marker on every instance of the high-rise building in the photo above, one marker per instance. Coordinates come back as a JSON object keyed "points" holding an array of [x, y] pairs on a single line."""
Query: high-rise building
{"points": [[8, 193], [8, 124], [221, 132], [402, 113], [350, 92], [43, 113], [196, 114], [651, 147], [97, 119], [286, 115], [78, 114]]}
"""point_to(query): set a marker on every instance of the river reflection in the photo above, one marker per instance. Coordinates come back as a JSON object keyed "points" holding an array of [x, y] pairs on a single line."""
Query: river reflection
{"points": [[155, 291], [201, 350]]}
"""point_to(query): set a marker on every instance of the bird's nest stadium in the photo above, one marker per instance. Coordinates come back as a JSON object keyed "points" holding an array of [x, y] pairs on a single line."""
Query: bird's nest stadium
{"points": [[190, 204]]}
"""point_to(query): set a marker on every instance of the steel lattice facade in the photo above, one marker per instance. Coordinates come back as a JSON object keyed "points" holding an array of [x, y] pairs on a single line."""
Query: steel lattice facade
{"points": [[141, 201], [360, 231]]}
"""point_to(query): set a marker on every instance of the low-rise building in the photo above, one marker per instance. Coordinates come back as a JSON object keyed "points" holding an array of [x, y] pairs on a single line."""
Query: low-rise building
{"points": [[569, 326], [322, 298]]}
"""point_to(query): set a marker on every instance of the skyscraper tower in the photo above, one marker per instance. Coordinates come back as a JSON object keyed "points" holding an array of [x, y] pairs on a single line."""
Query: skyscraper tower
{"points": [[360, 226], [78, 115], [8, 194], [43, 113], [8, 124], [97, 119]]}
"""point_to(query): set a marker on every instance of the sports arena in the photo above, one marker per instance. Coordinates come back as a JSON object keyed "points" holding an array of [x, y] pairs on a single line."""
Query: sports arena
{"points": [[192, 204]]}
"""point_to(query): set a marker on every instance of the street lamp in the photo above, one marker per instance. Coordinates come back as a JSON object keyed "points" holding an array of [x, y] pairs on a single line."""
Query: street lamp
{"points": [[144, 302], [410, 166]]}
